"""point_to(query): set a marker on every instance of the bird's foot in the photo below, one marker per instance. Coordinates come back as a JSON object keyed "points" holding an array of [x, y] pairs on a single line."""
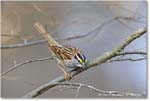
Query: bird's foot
{"points": [[67, 76]]}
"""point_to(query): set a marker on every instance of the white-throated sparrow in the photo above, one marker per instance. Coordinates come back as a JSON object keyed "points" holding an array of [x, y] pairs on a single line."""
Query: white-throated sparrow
{"points": [[66, 55]]}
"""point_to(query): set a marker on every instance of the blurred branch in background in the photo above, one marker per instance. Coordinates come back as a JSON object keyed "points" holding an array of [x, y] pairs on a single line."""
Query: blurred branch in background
{"points": [[98, 61], [19, 35], [95, 30]]}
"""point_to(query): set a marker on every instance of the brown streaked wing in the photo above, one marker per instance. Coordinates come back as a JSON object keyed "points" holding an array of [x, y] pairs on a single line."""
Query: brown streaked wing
{"points": [[65, 53], [56, 50]]}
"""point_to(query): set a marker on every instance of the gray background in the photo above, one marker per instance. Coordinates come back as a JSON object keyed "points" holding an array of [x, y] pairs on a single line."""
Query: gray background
{"points": [[65, 19]]}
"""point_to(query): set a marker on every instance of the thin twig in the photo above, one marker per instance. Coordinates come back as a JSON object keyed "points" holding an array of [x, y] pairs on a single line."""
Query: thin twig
{"points": [[89, 64], [125, 59], [133, 52], [100, 92], [78, 89], [110, 61], [122, 54], [23, 63]]}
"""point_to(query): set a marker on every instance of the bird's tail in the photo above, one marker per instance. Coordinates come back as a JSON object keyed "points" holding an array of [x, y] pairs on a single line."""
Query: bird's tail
{"points": [[45, 34]]}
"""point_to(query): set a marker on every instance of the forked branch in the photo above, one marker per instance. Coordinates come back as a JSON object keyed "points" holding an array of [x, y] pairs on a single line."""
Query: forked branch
{"points": [[90, 64]]}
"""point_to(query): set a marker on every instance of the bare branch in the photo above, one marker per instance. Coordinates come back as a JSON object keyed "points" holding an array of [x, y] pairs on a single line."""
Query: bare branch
{"points": [[23, 63], [126, 59], [122, 54], [109, 61], [133, 52], [100, 92], [89, 64]]}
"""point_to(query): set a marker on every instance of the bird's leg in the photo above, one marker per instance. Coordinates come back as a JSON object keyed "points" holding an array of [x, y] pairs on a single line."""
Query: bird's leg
{"points": [[66, 75]]}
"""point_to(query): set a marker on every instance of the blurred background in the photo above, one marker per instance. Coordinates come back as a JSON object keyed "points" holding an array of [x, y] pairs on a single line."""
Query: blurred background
{"points": [[104, 25]]}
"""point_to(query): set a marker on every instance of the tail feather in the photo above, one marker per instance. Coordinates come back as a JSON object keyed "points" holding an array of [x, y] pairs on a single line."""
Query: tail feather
{"points": [[45, 34]]}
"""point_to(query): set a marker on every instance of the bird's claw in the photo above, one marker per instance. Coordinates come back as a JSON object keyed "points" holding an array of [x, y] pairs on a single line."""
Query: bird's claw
{"points": [[67, 76]]}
